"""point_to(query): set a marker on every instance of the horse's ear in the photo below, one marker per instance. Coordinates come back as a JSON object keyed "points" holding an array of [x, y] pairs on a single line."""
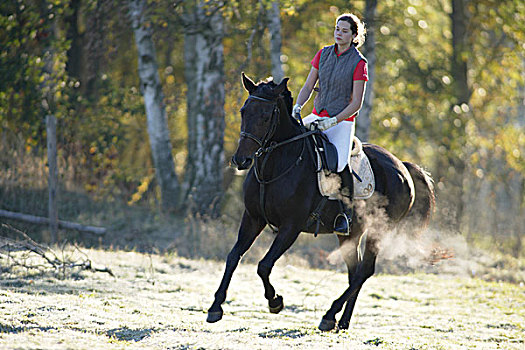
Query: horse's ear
{"points": [[249, 85], [279, 89]]}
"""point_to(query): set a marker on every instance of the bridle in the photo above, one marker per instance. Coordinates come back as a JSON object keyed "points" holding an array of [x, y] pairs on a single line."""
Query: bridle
{"points": [[266, 147], [271, 130]]}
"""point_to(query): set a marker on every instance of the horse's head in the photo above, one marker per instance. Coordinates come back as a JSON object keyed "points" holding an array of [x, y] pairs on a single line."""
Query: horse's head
{"points": [[259, 118]]}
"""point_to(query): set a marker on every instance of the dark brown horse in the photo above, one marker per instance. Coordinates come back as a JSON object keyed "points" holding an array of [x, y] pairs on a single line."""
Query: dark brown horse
{"points": [[281, 191]]}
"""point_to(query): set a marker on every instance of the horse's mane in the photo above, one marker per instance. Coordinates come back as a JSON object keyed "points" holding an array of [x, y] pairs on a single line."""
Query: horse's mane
{"points": [[265, 89]]}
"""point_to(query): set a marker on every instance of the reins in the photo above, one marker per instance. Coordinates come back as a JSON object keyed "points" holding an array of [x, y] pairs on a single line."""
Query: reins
{"points": [[266, 147]]}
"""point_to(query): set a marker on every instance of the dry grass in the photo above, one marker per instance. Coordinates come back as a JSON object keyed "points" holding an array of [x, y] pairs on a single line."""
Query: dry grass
{"points": [[160, 301]]}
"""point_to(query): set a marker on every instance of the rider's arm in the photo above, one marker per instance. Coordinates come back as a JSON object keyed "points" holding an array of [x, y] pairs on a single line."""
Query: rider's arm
{"points": [[356, 101], [306, 91]]}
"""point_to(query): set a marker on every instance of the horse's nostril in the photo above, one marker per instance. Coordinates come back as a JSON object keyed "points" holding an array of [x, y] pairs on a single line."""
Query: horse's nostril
{"points": [[245, 164], [240, 162]]}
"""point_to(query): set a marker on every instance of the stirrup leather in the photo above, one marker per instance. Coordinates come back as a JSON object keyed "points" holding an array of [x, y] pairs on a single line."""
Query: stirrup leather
{"points": [[340, 230]]}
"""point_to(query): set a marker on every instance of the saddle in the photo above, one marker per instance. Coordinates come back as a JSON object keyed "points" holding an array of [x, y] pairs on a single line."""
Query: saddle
{"points": [[329, 181]]}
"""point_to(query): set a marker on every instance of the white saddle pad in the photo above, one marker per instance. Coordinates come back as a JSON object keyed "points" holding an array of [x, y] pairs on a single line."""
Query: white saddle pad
{"points": [[329, 184]]}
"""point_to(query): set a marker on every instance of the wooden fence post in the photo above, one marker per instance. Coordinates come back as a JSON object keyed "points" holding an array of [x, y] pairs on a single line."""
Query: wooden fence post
{"points": [[53, 175]]}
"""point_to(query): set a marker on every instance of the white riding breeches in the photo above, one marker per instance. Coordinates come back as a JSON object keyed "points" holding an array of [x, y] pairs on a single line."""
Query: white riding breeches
{"points": [[340, 135]]}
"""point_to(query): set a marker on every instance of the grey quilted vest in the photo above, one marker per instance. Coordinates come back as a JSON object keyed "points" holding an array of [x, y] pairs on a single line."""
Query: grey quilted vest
{"points": [[336, 79]]}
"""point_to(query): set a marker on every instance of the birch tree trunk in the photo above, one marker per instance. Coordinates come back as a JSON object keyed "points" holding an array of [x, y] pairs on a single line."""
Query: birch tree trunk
{"points": [[364, 118], [274, 28], [204, 65], [151, 88]]}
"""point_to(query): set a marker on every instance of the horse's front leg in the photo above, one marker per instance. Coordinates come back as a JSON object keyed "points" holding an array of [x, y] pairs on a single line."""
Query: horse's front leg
{"points": [[284, 240], [248, 232], [364, 270]]}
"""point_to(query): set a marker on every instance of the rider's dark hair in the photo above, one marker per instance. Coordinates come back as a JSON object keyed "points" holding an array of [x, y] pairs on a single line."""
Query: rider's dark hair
{"points": [[356, 26]]}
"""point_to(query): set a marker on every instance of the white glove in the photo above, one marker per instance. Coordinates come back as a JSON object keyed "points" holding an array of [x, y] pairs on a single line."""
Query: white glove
{"points": [[296, 111], [325, 123]]}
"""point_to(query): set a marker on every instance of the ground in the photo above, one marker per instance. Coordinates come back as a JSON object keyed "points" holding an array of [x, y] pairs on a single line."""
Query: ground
{"points": [[160, 302]]}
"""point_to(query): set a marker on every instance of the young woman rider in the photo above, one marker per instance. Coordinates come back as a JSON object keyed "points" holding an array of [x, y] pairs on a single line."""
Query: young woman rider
{"points": [[342, 74]]}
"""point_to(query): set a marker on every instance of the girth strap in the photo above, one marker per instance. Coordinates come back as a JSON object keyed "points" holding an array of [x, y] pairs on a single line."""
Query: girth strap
{"points": [[315, 216]]}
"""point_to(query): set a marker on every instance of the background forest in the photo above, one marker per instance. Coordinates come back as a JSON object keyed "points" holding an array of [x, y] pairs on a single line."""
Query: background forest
{"points": [[146, 98]]}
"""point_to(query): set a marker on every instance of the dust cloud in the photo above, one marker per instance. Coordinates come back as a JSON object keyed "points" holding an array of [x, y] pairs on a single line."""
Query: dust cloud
{"points": [[408, 248]]}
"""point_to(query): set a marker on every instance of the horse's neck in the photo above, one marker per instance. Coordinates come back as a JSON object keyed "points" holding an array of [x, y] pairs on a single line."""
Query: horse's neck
{"points": [[287, 128], [282, 158]]}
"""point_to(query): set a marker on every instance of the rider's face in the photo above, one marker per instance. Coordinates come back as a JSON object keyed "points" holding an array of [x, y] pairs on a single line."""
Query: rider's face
{"points": [[343, 35]]}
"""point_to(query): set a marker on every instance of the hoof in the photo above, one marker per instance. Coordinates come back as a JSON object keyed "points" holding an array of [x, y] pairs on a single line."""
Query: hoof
{"points": [[276, 305], [343, 325], [214, 316], [327, 325]]}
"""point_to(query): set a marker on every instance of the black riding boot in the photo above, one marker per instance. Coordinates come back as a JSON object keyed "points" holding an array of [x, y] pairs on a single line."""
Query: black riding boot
{"points": [[343, 220]]}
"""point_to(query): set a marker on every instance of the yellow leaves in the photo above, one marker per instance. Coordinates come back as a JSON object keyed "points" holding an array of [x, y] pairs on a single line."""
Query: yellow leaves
{"points": [[90, 187], [289, 11], [144, 185], [141, 189], [508, 144], [474, 158], [447, 33], [471, 129], [512, 142]]}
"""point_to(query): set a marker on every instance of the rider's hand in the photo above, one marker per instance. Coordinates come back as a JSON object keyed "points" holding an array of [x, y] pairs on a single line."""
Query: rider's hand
{"points": [[296, 111], [325, 123]]}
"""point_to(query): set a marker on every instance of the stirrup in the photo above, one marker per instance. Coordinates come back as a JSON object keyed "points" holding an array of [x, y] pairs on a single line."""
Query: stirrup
{"points": [[342, 224]]}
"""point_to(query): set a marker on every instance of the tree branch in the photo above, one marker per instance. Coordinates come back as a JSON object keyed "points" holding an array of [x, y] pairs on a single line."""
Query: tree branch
{"points": [[50, 258], [45, 221]]}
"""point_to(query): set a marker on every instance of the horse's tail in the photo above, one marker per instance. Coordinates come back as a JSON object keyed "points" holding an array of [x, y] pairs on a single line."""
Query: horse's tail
{"points": [[425, 200]]}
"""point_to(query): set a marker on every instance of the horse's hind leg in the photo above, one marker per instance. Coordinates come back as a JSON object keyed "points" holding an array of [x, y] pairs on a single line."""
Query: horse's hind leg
{"points": [[364, 270], [249, 230], [348, 247], [285, 238]]}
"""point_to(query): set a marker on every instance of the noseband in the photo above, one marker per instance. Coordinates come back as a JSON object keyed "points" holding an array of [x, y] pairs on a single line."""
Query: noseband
{"points": [[271, 130]]}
